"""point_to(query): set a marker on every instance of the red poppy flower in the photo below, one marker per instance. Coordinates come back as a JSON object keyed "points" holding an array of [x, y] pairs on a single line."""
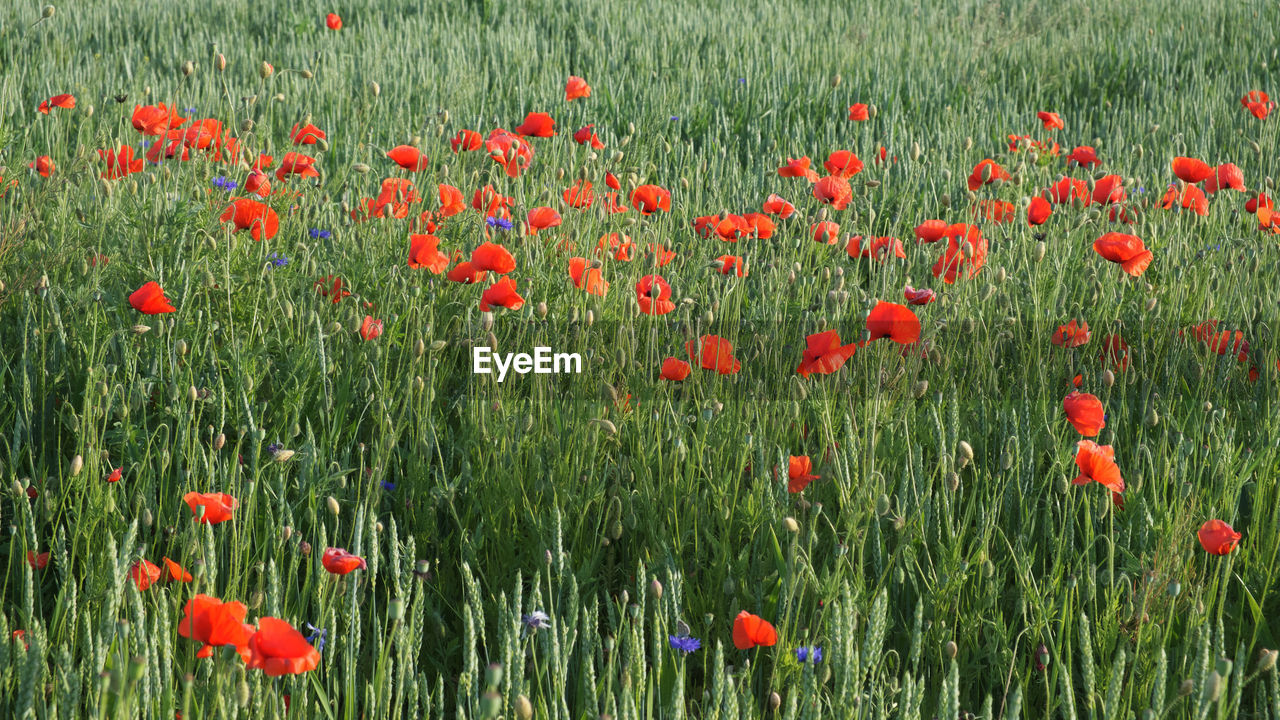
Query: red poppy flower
{"points": [[1218, 538], [333, 21], [144, 573], [859, 112], [923, 296], [259, 219], [370, 329], [258, 183], [1108, 189], [587, 278], [491, 256], [576, 88], [824, 354], [155, 119], [843, 163], [466, 141], [150, 300], [931, 231], [893, 321], [1115, 351], [834, 191], [731, 265], [1084, 156], [213, 623], [617, 245], [340, 562], [173, 572], [586, 135], [798, 473], [1051, 120], [712, 352], [798, 167], [210, 508], [1127, 250], [501, 293], [1262, 200], [306, 134], [1085, 413], [776, 205], [1222, 341], [1191, 170], [424, 252], [965, 255], [649, 199], [675, 370], [750, 630], [408, 157], [654, 295], [120, 163], [579, 195], [1068, 189], [541, 218], [877, 248], [278, 649], [537, 124], [43, 165], [61, 101], [1073, 334], [1097, 464], [37, 561], [760, 225], [1257, 103], [987, 172], [1192, 198], [330, 286], [997, 211], [659, 254], [1226, 176], [1038, 211], [115, 475]]}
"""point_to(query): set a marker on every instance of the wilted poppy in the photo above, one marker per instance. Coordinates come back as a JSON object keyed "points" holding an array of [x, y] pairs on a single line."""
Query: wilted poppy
{"points": [[150, 300], [210, 508], [1218, 538], [1085, 413], [824, 354], [923, 296], [1127, 250], [278, 649], [750, 630], [1097, 464]]}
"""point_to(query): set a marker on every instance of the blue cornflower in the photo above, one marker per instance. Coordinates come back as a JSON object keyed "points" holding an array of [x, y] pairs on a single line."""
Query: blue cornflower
{"points": [[684, 643], [317, 234], [675, 118], [224, 183], [277, 260], [274, 448], [497, 222], [388, 485], [742, 81], [188, 110], [803, 653], [317, 637], [536, 620]]}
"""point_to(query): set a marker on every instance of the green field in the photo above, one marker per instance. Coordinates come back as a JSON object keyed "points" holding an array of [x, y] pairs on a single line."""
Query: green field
{"points": [[545, 546]]}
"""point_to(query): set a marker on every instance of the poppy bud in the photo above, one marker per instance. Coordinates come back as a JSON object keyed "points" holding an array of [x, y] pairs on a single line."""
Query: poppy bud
{"points": [[1266, 660], [77, 464], [220, 62], [542, 309], [790, 524], [523, 708], [1108, 378], [655, 589], [187, 68], [438, 345], [986, 169], [1208, 406], [1039, 251], [1214, 686], [283, 456], [950, 649], [140, 329], [1257, 149], [333, 505], [1186, 687], [872, 111], [278, 97], [915, 151], [285, 533], [775, 701], [953, 481], [219, 441], [265, 70], [882, 505]]}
